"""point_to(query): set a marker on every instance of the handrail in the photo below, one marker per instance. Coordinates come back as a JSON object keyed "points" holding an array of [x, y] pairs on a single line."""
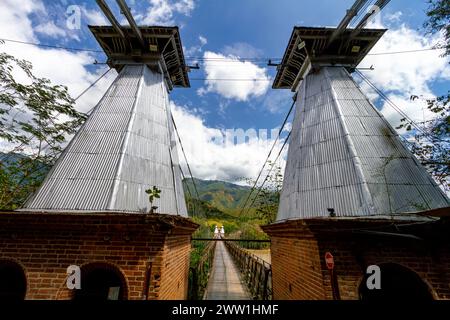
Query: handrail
{"points": [[257, 273], [199, 274], [230, 239]]}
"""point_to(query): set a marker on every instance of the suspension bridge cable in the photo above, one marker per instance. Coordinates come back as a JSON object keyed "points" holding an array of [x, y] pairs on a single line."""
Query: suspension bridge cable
{"points": [[268, 173], [51, 46], [268, 156], [240, 59], [396, 108], [92, 84], [206, 79], [185, 157], [193, 57], [230, 58], [401, 52], [188, 190]]}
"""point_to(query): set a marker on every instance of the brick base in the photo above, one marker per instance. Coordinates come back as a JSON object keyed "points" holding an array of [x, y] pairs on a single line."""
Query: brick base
{"points": [[150, 253], [298, 248]]}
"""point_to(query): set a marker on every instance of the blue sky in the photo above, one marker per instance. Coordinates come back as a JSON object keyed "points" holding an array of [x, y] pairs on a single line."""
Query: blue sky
{"points": [[231, 30]]}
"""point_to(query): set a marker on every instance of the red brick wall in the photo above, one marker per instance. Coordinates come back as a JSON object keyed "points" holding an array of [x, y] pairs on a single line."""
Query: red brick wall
{"points": [[430, 263], [46, 245], [299, 270], [174, 277], [296, 269]]}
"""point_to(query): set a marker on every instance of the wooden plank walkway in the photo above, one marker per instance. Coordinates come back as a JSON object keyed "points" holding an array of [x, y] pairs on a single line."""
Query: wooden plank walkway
{"points": [[225, 281]]}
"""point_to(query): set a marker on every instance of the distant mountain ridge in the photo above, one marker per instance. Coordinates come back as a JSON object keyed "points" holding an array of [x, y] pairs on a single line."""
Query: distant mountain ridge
{"points": [[225, 196]]}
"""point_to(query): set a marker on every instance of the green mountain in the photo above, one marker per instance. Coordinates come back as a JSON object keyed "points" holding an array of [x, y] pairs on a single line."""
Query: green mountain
{"points": [[226, 197], [220, 204]]}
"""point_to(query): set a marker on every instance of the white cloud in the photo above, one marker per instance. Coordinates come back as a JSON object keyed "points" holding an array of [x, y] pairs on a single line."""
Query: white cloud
{"points": [[223, 105], [203, 40], [161, 12], [242, 50], [184, 6], [197, 49], [60, 66], [94, 17], [278, 101], [50, 29], [14, 22], [394, 17], [213, 155], [416, 110], [406, 74], [219, 66]]}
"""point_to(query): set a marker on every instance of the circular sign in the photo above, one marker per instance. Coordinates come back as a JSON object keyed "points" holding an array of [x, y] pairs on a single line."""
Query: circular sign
{"points": [[329, 260]]}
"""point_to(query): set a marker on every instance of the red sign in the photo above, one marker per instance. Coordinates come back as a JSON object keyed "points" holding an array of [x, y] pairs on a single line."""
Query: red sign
{"points": [[329, 260]]}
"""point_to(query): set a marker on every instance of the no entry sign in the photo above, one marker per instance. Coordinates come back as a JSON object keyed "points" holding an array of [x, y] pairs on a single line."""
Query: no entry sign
{"points": [[329, 260]]}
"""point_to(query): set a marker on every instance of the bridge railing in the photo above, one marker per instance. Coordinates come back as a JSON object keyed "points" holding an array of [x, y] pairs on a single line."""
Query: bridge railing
{"points": [[199, 274], [257, 273]]}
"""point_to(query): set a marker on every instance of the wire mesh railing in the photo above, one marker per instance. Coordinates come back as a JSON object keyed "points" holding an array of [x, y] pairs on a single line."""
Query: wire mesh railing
{"points": [[256, 272], [199, 273]]}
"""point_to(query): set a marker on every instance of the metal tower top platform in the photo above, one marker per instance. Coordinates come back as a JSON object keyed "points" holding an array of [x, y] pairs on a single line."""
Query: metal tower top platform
{"points": [[155, 46], [160, 45], [312, 46]]}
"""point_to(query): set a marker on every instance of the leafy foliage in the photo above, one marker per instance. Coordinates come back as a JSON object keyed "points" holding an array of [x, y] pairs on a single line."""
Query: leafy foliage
{"points": [[236, 226], [438, 14], [212, 210], [204, 209], [267, 199], [224, 196], [431, 144], [153, 193], [36, 116], [252, 230], [20, 176]]}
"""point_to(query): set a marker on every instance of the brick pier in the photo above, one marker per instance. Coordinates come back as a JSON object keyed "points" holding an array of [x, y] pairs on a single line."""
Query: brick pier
{"points": [[149, 253]]}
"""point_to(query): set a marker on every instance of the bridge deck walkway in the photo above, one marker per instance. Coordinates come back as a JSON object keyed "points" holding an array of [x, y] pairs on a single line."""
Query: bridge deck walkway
{"points": [[225, 282]]}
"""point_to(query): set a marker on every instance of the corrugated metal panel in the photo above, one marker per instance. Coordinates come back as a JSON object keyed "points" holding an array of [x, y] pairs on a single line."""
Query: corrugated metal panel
{"points": [[344, 155], [124, 148]]}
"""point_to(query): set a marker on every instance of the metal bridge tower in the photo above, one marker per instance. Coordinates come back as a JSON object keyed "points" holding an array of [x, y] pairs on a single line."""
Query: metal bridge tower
{"points": [[344, 157], [92, 212], [127, 144], [353, 195]]}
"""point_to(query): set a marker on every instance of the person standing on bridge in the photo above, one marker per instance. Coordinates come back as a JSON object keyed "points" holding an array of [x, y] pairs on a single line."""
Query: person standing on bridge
{"points": [[216, 232]]}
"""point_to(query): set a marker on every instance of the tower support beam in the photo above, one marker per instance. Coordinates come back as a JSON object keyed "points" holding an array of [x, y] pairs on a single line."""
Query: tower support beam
{"points": [[126, 12], [351, 13], [110, 16]]}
